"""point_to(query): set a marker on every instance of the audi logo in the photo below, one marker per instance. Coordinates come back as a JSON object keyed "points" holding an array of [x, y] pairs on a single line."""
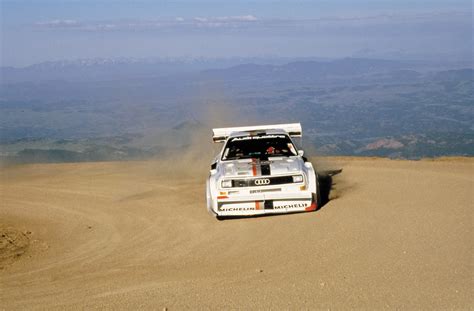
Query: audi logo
{"points": [[262, 182]]}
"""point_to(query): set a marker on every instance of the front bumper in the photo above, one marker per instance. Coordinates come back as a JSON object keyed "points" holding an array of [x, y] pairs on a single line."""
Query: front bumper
{"points": [[264, 203]]}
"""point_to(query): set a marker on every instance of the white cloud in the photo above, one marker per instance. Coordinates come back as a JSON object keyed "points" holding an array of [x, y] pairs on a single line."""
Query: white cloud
{"points": [[178, 23], [241, 18], [59, 23], [201, 19], [244, 23]]}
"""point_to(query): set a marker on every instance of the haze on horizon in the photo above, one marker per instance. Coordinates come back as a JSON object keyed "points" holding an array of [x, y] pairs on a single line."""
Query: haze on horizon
{"points": [[49, 30]]}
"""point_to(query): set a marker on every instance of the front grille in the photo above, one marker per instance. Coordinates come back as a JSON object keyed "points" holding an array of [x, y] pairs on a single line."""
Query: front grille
{"points": [[257, 182]]}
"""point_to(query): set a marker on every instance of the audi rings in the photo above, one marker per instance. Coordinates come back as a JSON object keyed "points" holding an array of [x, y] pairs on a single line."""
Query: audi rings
{"points": [[262, 182]]}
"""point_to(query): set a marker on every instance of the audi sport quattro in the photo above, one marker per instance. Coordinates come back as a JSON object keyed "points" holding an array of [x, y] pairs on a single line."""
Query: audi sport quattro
{"points": [[260, 171]]}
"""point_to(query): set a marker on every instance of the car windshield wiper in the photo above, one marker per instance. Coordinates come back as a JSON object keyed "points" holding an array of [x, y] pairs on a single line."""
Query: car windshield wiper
{"points": [[239, 158], [278, 155]]}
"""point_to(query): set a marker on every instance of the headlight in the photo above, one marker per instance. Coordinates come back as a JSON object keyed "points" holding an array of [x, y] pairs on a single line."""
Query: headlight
{"points": [[298, 178], [226, 184]]}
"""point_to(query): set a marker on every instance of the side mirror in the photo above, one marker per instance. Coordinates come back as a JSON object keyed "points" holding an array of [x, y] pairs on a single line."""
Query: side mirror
{"points": [[301, 152]]}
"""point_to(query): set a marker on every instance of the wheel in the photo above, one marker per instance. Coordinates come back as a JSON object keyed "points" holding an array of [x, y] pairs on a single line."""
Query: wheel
{"points": [[208, 198], [318, 193]]}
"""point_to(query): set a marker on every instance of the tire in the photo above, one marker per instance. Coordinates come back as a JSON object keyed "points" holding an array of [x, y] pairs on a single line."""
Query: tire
{"points": [[318, 193], [208, 198]]}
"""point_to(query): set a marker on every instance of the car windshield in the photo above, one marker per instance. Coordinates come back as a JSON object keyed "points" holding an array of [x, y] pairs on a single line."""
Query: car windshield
{"points": [[261, 146]]}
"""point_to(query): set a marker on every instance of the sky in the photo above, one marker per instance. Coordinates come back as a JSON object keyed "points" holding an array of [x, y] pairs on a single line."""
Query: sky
{"points": [[34, 31]]}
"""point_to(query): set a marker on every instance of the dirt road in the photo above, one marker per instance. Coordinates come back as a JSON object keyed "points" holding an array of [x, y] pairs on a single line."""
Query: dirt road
{"points": [[396, 234]]}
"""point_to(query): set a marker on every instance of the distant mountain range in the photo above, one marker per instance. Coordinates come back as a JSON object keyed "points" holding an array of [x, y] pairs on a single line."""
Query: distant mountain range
{"points": [[302, 69], [103, 69], [312, 71], [99, 69]]}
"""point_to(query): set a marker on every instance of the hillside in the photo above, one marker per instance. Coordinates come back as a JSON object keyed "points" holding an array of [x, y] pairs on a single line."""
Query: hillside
{"points": [[354, 107]]}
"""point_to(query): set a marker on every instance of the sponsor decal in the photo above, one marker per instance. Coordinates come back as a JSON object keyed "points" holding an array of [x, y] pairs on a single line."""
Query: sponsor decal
{"points": [[266, 205], [262, 181], [258, 137], [290, 206], [236, 209], [264, 190]]}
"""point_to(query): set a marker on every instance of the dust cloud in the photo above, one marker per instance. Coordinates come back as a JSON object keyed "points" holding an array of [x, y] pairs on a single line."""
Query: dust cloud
{"points": [[193, 155]]}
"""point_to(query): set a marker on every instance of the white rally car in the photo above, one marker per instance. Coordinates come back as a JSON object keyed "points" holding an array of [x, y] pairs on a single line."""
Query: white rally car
{"points": [[260, 171]]}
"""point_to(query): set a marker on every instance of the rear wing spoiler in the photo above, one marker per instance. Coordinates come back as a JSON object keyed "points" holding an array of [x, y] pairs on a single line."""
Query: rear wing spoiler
{"points": [[221, 134]]}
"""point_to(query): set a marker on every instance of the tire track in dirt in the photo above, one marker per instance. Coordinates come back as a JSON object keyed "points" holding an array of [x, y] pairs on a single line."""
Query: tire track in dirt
{"points": [[137, 234]]}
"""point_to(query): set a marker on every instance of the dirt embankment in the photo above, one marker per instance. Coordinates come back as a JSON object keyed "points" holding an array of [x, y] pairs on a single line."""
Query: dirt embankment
{"points": [[13, 244], [394, 235]]}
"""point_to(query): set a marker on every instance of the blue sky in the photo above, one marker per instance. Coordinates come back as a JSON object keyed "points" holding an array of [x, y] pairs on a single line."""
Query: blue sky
{"points": [[46, 30]]}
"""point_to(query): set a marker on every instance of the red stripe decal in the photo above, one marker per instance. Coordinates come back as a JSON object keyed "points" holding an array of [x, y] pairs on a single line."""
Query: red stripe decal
{"points": [[254, 167], [257, 205]]}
